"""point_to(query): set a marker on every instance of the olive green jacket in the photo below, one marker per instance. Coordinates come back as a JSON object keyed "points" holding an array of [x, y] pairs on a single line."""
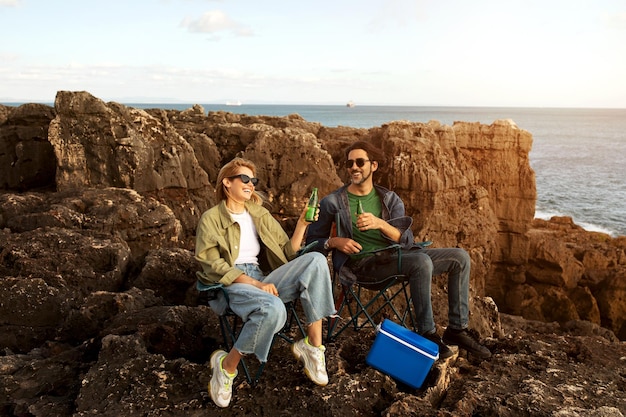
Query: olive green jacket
{"points": [[217, 243]]}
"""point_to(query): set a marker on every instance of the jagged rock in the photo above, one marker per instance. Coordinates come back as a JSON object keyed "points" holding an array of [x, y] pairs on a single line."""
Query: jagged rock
{"points": [[142, 223], [171, 331], [44, 382], [100, 308], [538, 369], [65, 246], [611, 299], [66, 259], [100, 145], [45, 273], [30, 312], [586, 304], [585, 275], [140, 381], [26, 155], [109, 145], [553, 263], [98, 311], [171, 274]]}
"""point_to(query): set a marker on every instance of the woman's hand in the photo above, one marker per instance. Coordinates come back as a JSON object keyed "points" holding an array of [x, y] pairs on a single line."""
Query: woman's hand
{"points": [[263, 286], [269, 288], [302, 218], [299, 231]]}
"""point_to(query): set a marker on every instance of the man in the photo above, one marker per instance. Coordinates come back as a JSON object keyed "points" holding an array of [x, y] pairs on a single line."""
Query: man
{"points": [[382, 223]]}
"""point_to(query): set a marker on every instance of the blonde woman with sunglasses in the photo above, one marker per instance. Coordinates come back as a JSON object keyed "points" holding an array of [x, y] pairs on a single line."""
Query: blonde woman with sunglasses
{"points": [[241, 245]]}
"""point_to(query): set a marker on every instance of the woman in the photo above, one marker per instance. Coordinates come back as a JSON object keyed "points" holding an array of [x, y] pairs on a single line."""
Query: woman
{"points": [[233, 239]]}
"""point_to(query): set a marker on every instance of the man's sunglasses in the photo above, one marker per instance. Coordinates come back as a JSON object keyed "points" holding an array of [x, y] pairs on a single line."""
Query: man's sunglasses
{"points": [[245, 179], [359, 162]]}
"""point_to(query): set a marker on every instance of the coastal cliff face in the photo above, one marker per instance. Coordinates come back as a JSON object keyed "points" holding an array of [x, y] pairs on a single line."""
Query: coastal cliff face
{"points": [[97, 221]]}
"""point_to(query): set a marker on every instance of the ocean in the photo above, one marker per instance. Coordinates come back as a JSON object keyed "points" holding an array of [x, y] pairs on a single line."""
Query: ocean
{"points": [[578, 155]]}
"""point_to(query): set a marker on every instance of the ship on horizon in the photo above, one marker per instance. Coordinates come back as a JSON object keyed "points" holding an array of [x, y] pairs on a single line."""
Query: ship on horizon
{"points": [[233, 103]]}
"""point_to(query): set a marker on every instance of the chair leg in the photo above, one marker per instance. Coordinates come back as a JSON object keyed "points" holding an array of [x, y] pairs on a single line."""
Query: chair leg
{"points": [[230, 332], [230, 326], [333, 320], [343, 301], [292, 316], [361, 309], [346, 297], [401, 290]]}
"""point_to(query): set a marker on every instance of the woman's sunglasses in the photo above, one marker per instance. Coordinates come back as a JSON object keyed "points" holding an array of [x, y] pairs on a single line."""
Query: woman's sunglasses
{"points": [[359, 162], [245, 179]]}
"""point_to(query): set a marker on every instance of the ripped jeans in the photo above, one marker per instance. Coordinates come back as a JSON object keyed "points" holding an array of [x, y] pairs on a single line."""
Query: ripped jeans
{"points": [[306, 277]]}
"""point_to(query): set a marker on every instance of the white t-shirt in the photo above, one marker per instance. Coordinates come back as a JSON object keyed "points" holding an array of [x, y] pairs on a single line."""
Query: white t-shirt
{"points": [[249, 246]]}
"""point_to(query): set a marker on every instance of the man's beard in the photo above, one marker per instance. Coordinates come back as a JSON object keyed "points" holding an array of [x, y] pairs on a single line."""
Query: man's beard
{"points": [[363, 178]]}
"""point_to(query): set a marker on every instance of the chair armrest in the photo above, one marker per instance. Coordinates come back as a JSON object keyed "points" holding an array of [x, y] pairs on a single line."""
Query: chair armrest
{"points": [[395, 246], [200, 286], [377, 255], [306, 248], [212, 289]]}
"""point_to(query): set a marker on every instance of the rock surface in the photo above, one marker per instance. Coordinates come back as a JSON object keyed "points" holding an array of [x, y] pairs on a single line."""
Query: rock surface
{"points": [[99, 314]]}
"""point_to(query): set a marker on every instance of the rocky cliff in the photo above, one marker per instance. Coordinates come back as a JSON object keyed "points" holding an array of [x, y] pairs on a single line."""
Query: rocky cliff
{"points": [[98, 309]]}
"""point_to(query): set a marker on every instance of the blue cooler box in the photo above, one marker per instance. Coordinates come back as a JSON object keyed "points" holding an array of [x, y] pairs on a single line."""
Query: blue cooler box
{"points": [[402, 354]]}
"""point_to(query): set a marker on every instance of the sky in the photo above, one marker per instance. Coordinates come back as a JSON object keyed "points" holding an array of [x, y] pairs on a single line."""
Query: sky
{"points": [[501, 53]]}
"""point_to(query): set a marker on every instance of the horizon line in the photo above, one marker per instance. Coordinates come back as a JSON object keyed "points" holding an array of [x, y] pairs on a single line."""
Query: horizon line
{"points": [[127, 101]]}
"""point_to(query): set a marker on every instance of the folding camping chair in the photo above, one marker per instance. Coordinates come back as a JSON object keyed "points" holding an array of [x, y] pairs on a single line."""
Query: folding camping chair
{"points": [[364, 307], [231, 324]]}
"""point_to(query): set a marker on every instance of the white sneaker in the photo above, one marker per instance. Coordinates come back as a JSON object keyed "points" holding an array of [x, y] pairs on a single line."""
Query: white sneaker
{"points": [[314, 360], [221, 384]]}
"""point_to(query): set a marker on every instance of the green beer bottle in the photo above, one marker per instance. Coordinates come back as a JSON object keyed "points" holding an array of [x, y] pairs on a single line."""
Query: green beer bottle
{"points": [[359, 209], [311, 207]]}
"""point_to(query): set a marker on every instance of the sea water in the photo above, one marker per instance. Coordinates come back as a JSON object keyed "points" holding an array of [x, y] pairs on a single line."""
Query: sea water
{"points": [[578, 155]]}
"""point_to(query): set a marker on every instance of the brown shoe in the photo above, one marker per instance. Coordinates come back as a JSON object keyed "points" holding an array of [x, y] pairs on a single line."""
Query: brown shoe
{"points": [[464, 340]]}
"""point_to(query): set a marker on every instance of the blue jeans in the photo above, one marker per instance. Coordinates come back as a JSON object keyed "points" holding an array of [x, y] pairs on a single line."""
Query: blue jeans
{"points": [[306, 277], [420, 265]]}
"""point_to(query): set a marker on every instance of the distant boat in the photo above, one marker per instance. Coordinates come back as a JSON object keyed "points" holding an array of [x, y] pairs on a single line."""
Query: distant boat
{"points": [[233, 103], [350, 104]]}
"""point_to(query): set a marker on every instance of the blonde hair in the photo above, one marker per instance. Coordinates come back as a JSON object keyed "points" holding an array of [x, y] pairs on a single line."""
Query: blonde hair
{"points": [[232, 169]]}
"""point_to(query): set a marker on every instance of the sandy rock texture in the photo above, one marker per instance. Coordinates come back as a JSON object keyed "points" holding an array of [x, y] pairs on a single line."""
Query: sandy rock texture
{"points": [[99, 314]]}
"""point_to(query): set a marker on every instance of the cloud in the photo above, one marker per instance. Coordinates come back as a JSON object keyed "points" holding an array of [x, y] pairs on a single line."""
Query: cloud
{"points": [[617, 20], [397, 13], [8, 57], [9, 3], [214, 22]]}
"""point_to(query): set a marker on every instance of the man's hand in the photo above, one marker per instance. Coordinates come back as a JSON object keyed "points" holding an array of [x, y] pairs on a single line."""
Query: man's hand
{"points": [[367, 221], [345, 244]]}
